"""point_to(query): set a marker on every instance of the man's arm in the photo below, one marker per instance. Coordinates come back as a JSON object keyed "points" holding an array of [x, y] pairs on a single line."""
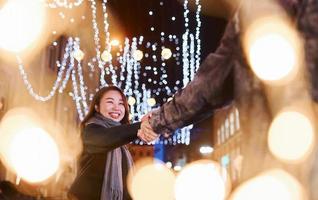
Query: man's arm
{"points": [[204, 93]]}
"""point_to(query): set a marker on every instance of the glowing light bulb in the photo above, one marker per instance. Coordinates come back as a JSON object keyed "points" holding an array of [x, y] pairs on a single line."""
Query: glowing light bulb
{"points": [[78, 55], [131, 101], [114, 42], [138, 55], [106, 56], [151, 101], [166, 53]]}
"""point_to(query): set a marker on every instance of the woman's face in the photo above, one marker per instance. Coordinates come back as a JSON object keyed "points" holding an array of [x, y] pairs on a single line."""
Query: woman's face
{"points": [[112, 106]]}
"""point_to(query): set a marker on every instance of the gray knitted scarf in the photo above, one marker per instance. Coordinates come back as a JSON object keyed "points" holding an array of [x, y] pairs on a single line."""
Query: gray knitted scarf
{"points": [[112, 188]]}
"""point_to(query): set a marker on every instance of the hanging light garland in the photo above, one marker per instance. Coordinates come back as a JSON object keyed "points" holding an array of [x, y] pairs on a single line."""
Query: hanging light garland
{"points": [[64, 4], [129, 75]]}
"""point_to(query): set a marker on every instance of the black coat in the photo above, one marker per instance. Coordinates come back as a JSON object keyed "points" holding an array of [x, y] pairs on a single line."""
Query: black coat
{"points": [[97, 141]]}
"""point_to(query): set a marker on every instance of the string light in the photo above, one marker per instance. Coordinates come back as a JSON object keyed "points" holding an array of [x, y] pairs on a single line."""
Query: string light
{"points": [[129, 73], [64, 4], [197, 34]]}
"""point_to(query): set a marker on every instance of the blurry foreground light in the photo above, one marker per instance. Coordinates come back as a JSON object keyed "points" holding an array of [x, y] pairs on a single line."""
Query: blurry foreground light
{"points": [[206, 149], [106, 56], [26, 148], [274, 185], [166, 53], [34, 155], [21, 23], [151, 101], [138, 55], [291, 136], [273, 49], [151, 180], [131, 101], [78, 55], [201, 180]]}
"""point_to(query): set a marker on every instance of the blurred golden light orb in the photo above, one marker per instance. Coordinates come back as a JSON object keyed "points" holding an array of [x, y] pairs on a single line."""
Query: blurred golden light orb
{"points": [[166, 53], [291, 136]]}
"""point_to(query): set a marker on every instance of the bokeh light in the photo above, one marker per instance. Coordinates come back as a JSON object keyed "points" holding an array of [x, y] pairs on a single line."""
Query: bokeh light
{"points": [[26, 148], [21, 23], [131, 101], [114, 42], [34, 155], [206, 149], [151, 179], [275, 184], [151, 101], [166, 53], [202, 180], [273, 49], [291, 136], [78, 55], [138, 55], [106, 56]]}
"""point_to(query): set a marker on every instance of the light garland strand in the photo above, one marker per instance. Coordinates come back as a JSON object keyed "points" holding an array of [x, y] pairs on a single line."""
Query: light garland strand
{"points": [[129, 74], [197, 34], [97, 43], [185, 45], [81, 78], [192, 59], [64, 4], [58, 80]]}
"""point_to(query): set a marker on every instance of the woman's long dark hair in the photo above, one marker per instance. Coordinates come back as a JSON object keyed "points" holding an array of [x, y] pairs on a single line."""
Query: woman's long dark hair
{"points": [[96, 101]]}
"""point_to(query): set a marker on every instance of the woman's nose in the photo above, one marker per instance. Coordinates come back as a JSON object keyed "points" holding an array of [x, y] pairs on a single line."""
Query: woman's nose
{"points": [[116, 107]]}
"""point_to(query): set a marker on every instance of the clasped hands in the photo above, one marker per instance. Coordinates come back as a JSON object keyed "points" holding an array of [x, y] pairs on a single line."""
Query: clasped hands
{"points": [[146, 133]]}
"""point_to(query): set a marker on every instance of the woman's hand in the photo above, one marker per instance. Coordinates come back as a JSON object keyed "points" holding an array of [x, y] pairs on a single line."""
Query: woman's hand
{"points": [[145, 132]]}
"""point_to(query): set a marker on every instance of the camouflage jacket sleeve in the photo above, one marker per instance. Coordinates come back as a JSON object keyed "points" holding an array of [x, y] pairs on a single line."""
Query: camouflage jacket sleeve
{"points": [[204, 93], [308, 27]]}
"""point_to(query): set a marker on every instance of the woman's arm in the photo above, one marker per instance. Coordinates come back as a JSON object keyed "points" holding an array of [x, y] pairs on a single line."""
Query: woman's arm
{"points": [[98, 139]]}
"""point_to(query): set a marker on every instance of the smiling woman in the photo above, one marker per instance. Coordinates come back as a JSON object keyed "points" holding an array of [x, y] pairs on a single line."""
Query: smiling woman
{"points": [[105, 161]]}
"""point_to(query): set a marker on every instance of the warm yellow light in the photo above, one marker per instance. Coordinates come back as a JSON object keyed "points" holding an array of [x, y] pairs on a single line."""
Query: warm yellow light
{"points": [[151, 101], [138, 55], [34, 155], [21, 23], [151, 180], [106, 56], [291, 136], [273, 49], [274, 185], [114, 42], [78, 55], [131, 101], [201, 180], [26, 148], [166, 53]]}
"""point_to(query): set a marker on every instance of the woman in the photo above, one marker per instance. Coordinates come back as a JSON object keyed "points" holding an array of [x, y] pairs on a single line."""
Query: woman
{"points": [[105, 161]]}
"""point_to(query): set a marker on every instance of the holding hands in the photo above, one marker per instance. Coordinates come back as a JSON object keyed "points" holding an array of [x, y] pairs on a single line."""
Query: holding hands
{"points": [[145, 133]]}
